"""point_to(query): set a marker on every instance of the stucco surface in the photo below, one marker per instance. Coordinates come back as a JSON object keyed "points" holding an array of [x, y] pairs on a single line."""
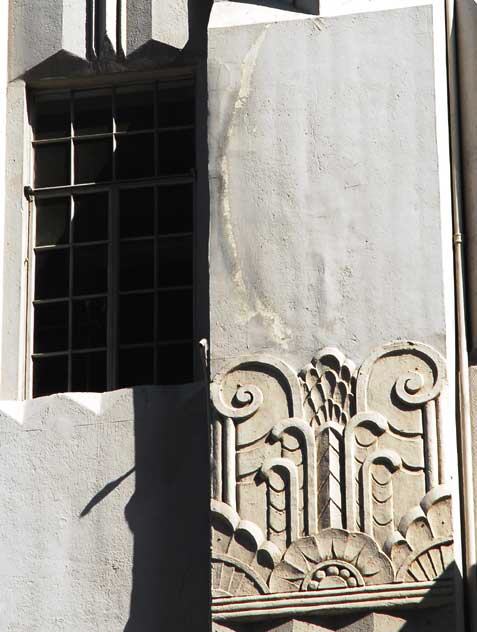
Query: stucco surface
{"points": [[99, 528], [324, 185]]}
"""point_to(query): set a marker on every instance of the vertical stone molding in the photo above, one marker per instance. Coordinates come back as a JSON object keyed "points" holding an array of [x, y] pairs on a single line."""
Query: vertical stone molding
{"points": [[71, 31], [60, 27], [329, 480], [159, 21]]}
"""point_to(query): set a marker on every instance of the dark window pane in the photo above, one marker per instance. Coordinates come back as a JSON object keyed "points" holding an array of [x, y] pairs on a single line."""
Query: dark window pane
{"points": [[135, 156], [52, 221], [93, 160], [52, 273], [88, 372], [136, 267], [175, 315], [134, 110], [136, 366], [175, 364], [136, 212], [93, 113], [176, 152], [52, 165], [175, 209], [175, 106], [175, 261], [50, 331], [136, 318], [52, 119], [89, 323], [90, 221], [50, 375], [90, 274]]}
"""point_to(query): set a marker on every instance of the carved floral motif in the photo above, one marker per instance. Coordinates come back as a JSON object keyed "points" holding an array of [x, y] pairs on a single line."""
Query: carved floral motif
{"points": [[334, 558], [333, 478]]}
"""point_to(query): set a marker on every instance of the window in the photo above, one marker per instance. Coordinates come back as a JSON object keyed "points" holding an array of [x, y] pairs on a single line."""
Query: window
{"points": [[112, 272]]}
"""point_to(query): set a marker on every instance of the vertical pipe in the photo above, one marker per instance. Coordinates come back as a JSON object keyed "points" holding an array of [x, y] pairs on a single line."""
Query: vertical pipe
{"points": [[465, 434]]}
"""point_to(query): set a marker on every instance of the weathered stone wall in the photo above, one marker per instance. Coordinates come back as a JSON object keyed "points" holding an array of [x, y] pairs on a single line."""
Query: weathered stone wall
{"points": [[330, 215]]}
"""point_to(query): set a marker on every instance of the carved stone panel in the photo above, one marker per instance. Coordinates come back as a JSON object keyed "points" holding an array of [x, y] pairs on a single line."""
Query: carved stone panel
{"points": [[331, 479]]}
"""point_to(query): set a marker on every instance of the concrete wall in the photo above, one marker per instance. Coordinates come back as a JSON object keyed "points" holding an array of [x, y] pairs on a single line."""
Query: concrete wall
{"points": [[330, 214], [104, 519]]}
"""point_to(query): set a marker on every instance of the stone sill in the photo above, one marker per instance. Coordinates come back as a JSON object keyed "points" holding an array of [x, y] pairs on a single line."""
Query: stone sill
{"points": [[334, 601]]}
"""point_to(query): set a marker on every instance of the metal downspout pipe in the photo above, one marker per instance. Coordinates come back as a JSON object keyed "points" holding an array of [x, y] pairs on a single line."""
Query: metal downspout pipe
{"points": [[465, 429]]}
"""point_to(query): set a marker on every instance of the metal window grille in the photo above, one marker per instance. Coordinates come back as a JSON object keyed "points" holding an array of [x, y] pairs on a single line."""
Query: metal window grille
{"points": [[112, 238]]}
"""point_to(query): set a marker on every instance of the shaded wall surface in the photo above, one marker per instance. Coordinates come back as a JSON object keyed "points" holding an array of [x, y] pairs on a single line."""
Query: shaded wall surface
{"points": [[104, 521]]}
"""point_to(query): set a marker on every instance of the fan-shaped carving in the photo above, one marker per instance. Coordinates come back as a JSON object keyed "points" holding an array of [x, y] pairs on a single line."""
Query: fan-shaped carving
{"points": [[421, 549], [242, 558], [328, 383], [325, 559]]}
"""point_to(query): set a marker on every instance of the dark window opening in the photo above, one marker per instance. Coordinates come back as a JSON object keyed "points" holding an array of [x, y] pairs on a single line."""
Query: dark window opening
{"points": [[112, 237]]}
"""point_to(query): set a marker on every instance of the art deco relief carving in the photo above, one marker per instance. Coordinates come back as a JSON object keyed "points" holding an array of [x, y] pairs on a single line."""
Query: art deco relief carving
{"points": [[332, 478]]}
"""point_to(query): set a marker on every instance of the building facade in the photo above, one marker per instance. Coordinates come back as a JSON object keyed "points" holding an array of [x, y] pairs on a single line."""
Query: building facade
{"points": [[237, 315]]}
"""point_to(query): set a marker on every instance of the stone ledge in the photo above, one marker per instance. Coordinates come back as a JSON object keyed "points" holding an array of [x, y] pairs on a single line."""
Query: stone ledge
{"points": [[387, 596]]}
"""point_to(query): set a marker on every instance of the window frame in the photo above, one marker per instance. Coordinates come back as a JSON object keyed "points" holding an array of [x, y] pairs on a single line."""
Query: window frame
{"points": [[111, 188]]}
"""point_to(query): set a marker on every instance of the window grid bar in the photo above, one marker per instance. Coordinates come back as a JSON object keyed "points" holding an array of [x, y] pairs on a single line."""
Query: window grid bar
{"points": [[70, 291], [94, 187], [156, 273], [65, 352], [156, 140], [63, 299], [157, 236], [72, 147], [113, 285], [196, 359], [113, 221], [79, 244], [159, 290], [52, 247], [128, 240], [115, 143], [106, 135]]}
